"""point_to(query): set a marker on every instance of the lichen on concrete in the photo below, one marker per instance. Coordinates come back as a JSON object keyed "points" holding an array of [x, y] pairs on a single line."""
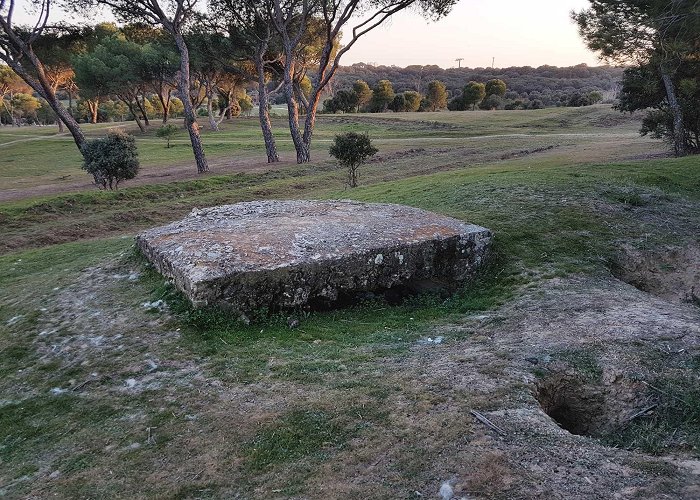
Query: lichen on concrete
{"points": [[274, 255]]}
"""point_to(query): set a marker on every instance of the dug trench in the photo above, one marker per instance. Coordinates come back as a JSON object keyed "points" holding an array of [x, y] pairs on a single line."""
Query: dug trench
{"points": [[671, 272]]}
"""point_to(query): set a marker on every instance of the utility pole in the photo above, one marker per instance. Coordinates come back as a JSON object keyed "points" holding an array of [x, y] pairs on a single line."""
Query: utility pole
{"points": [[493, 62], [459, 61]]}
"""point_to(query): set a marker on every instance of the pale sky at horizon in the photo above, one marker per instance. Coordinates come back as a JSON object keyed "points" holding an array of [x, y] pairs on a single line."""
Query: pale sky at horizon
{"points": [[515, 32]]}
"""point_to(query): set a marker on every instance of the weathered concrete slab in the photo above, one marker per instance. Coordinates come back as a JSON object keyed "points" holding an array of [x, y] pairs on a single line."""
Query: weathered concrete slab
{"points": [[286, 254]]}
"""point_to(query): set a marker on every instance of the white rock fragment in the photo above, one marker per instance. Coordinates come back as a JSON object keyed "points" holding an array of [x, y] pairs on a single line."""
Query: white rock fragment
{"points": [[156, 304], [14, 319], [446, 491], [431, 340]]}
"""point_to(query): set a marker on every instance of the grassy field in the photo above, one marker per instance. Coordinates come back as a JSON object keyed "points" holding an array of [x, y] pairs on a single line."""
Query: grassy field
{"points": [[107, 392]]}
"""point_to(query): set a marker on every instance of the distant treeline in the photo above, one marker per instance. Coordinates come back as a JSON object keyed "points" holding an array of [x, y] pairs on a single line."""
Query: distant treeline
{"points": [[548, 85]]}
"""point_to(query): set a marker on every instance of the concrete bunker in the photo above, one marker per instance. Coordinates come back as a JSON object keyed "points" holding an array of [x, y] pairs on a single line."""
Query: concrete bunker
{"points": [[284, 255]]}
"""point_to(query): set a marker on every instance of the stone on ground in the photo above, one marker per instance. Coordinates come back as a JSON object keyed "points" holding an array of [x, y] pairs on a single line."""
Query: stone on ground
{"points": [[274, 255]]}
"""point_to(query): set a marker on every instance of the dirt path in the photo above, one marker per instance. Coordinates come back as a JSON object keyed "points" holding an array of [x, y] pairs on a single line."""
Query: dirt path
{"points": [[184, 170], [150, 175]]}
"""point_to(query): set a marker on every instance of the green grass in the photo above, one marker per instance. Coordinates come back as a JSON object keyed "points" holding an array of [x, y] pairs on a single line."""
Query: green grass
{"points": [[584, 361], [55, 159], [673, 424], [298, 434]]}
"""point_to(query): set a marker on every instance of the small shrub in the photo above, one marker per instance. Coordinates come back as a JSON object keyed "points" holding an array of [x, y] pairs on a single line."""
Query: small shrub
{"points": [[111, 159], [352, 150], [167, 132]]}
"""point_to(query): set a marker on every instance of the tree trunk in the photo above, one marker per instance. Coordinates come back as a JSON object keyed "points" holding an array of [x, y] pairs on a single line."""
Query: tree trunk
{"points": [[142, 109], [130, 105], [263, 108], [61, 127], [297, 137], [93, 106], [190, 118], [302, 149], [65, 117], [679, 145], [165, 103], [213, 124], [42, 87], [310, 122]]}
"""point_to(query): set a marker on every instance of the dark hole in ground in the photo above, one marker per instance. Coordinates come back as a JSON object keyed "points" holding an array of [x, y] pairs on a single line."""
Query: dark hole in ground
{"points": [[574, 405]]}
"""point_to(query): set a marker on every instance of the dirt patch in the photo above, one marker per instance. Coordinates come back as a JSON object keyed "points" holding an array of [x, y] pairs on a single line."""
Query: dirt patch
{"points": [[672, 273], [526, 152], [177, 171]]}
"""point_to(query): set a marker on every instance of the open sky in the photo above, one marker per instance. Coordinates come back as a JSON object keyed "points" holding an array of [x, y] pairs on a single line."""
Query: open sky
{"points": [[514, 32]]}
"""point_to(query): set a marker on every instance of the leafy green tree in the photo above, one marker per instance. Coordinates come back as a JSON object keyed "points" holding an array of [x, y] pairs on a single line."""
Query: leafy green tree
{"points": [[10, 85], [111, 159], [398, 104], [495, 87], [113, 110], [382, 96], [352, 150], [643, 90], [595, 97], [17, 51], [246, 104], [360, 17], [436, 95], [177, 108], [167, 132], [172, 16], [457, 104], [157, 68], [112, 68], [412, 100], [491, 102], [660, 33], [344, 101], [363, 93], [23, 107], [473, 94]]}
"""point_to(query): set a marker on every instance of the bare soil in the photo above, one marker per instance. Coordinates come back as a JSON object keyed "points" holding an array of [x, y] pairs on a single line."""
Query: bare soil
{"points": [[671, 272]]}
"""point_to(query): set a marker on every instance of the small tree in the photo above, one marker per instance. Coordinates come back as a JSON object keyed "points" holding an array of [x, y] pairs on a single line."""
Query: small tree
{"points": [[362, 92], [495, 87], [412, 100], [382, 96], [473, 94], [436, 96], [167, 132], [246, 104], [352, 150], [111, 159]]}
